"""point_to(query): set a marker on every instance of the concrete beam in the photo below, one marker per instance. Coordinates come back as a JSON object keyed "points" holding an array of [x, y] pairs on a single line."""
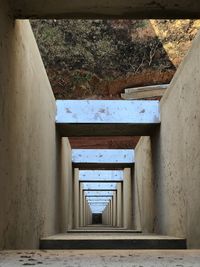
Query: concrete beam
{"points": [[98, 193], [98, 198], [102, 157], [127, 9], [99, 186], [100, 175], [100, 190], [107, 117]]}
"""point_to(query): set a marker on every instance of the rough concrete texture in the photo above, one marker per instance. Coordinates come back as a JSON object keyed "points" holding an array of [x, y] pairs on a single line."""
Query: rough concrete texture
{"points": [[29, 190], [144, 182], [99, 258], [66, 186], [127, 199], [176, 153], [95, 9]]}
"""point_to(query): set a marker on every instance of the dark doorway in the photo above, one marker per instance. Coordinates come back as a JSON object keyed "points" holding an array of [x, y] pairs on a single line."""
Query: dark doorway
{"points": [[96, 218]]}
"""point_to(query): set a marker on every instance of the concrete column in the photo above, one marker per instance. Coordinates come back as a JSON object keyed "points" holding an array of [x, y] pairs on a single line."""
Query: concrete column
{"points": [[76, 197], [81, 202], [84, 210], [119, 205], [88, 214], [111, 211], [127, 199], [114, 208]]}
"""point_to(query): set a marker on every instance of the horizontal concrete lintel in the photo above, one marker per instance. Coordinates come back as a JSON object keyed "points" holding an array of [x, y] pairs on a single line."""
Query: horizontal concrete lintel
{"points": [[101, 175], [171, 9], [98, 193], [101, 190], [99, 196], [97, 202], [101, 185], [107, 117], [112, 156], [108, 129], [102, 166], [100, 181]]}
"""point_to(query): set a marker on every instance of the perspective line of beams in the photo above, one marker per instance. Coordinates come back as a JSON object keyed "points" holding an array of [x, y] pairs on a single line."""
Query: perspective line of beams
{"points": [[107, 117]]}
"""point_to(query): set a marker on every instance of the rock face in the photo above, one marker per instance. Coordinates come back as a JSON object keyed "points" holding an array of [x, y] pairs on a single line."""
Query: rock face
{"points": [[97, 59]]}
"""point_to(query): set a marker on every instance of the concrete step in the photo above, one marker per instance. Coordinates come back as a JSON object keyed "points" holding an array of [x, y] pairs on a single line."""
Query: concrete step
{"points": [[111, 241], [99, 229]]}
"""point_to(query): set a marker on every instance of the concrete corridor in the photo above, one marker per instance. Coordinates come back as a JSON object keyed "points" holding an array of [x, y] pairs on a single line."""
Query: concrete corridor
{"points": [[44, 200]]}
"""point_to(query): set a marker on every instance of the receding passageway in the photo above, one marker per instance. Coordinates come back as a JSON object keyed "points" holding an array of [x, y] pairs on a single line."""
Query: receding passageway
{"points": [[111, 203], [103, 181]]}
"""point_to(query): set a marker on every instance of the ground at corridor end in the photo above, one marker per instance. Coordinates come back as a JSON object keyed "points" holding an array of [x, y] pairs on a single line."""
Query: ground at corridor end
{"points": [[103, 258]]}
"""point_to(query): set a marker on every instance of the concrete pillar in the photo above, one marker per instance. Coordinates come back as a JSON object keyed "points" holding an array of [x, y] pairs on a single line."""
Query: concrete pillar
{"points": [[84, 210], [119, 205], [127, 199], [88, 214], [76, 197], [114, 208], [81, 203], [111, 211]]}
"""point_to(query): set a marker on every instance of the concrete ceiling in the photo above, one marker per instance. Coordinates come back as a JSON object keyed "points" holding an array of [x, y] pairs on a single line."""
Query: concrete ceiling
{"points": [[135, 9]]}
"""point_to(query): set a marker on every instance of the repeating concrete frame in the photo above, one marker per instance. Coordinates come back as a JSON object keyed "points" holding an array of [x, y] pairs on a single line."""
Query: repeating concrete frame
{"points": [[107, 117], [120, 208]]}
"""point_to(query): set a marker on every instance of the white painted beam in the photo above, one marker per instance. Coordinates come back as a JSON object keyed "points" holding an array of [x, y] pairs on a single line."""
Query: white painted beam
{"points": [[100, 175], [112, 156], [106, 117], [98, 193], [99, 186]]}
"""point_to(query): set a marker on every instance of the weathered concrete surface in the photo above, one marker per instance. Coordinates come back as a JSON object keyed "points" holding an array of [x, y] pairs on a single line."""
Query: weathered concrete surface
{"points": [[107, 117], [66, 187], [29, 171], [144, 182], [127, 199], [104, 9], [99, 258], [76, 196], [111, 241], [103, 156], [176, 152]]}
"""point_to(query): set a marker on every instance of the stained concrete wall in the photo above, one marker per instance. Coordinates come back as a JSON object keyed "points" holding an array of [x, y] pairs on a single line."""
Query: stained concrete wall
{"points": [[29, 147], [176, 150], [144, 186]]}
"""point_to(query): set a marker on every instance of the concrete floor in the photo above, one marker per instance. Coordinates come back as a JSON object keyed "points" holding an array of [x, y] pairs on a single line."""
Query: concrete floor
{"points": [[101, 258]]}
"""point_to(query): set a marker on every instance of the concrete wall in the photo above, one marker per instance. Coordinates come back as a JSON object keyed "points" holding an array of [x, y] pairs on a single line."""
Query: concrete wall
{"points": [[66, 187], [144, 186], [29, 147], [176, 150]]}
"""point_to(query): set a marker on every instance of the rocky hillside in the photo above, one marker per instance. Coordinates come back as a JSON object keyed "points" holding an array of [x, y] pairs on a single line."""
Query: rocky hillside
{"points": [[97, 59]]}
